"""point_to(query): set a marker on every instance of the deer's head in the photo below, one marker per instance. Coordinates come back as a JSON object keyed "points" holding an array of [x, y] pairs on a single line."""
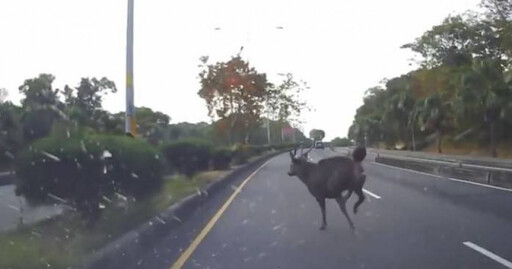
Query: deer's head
{"points": [[298, 163]]}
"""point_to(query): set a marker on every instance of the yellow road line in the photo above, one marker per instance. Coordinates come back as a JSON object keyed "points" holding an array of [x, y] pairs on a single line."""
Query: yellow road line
{"points": [[188, 252]]}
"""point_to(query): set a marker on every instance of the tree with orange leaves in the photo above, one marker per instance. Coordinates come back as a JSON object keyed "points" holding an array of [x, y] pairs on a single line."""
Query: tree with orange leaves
{"points": [[236, 91]]}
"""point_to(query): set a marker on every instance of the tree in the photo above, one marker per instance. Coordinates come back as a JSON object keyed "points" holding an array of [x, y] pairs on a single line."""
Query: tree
{"points": [[152, 124], [39, 92], [234, 90], [433, 115], [341, 142], [449, 43], [107, 122], [367, 126], [201, 130], [463, 89], [469, 59], [317, 134], [397, 109], [84, 100], [41, 106], [11, 139], [283, 102], [498, 9], [486, 95], [498, 15]]}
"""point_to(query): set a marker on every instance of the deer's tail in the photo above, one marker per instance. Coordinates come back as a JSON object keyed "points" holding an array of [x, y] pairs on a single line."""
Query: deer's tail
{"points": [[359, 154]]}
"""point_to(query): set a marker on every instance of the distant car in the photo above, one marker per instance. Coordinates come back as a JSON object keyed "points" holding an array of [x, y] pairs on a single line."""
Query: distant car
{"points": [[319, 145]]}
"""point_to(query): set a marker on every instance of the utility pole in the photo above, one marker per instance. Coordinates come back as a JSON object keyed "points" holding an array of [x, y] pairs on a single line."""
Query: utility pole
{"points": [[130, 124]]}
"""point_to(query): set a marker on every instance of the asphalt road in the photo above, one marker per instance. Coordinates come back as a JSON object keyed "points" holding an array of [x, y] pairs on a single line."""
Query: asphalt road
{"points": [[15, 209], [411, 220]]}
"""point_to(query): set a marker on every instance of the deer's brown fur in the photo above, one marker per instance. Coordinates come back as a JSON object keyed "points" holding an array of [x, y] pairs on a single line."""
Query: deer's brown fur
{"points": [[328, 178]]}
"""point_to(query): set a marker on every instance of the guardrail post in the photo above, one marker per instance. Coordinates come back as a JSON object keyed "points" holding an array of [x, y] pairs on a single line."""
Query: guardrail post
{"points": [[489, 175]]}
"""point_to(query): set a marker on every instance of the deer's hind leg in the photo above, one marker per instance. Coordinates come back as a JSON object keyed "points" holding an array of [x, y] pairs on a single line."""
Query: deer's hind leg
{"points": [[342, 202], [360, 194]]}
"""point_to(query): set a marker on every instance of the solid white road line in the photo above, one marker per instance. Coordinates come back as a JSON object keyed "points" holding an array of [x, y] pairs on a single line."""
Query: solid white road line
{"points": [[449, 178], [371, 194], [489, 254]]}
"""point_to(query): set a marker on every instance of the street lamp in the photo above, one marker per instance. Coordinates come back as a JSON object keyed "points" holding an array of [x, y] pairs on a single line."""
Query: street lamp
{"points": [[130, 124]]}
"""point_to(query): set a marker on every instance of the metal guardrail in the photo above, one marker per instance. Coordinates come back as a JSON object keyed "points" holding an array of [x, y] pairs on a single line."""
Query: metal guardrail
{"points": [[491, 173], [447, 163], [498, 176], [458, 164]]}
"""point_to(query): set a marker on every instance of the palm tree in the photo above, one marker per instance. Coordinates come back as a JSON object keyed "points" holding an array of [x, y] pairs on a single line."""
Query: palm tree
{"points": [[433, 115], [412, 122], [486, 93]]}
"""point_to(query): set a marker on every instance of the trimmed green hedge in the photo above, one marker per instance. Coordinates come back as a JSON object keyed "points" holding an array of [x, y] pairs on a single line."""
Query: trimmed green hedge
{"points": [[241, 153], [188, 156], [221, 159], [85, 169]]}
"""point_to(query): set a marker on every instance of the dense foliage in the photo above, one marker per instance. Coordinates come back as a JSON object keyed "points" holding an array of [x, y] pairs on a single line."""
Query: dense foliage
{"points": [[67, 149], [238, 98], [340, 142], [221, 159], [461, 93], [86, 170], [188, 156]]}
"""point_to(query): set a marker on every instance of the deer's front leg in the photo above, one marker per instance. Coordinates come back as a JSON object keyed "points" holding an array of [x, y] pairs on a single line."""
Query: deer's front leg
{"points": [[321, 202]]}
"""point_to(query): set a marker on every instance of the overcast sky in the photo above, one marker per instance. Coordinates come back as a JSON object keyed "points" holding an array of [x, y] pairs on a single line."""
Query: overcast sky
{"points": [[340, 47]]}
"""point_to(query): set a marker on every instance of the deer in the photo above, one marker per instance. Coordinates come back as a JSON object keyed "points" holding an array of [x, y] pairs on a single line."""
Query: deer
{"points": [[330, 177]]}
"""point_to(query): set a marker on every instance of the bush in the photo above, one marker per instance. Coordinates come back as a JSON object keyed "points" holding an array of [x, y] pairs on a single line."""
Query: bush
{"points": [[221, 159], [285, 146], [241, 154], [255, 150], [188, 156], [84, 169]]}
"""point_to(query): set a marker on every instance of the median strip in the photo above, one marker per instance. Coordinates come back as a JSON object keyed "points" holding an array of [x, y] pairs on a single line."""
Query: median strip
{"points": [[441, 177], [488, 253]]}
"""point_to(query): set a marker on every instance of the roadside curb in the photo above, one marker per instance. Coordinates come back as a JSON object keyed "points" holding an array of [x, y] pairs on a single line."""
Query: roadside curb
{"points": [[493, 178], [145, 235]]}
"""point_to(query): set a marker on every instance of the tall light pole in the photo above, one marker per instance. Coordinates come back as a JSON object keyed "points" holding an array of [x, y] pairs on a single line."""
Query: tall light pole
{"points": [[130, 125]]}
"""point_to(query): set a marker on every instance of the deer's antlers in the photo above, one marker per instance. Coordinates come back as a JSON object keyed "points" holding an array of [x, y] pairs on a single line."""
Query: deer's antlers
{"points": [[311, 148]]}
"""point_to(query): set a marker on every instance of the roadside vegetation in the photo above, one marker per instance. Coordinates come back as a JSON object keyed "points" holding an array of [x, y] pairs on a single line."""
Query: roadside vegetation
{"points": [[460, 98], [68, 151]]}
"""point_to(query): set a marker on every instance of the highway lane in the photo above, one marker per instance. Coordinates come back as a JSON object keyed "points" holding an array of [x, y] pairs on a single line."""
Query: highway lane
{"points": [[419, 221]]}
